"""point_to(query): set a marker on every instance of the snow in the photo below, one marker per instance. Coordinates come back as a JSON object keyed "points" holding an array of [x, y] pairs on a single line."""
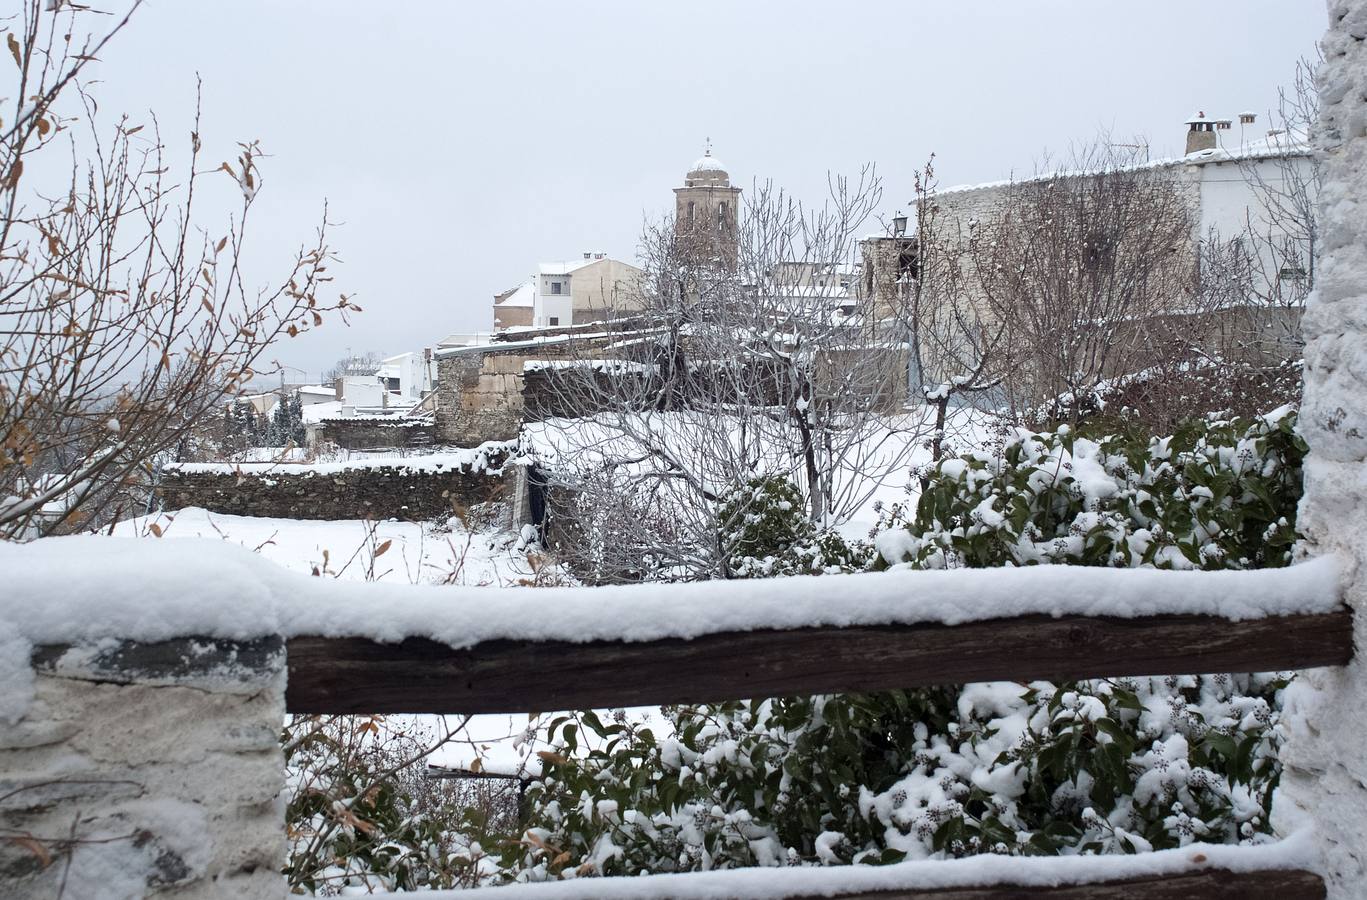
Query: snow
{"points": [[1292, 144], [619, 366], [314, 413], [471, 459], [91, 587], [418, 552], [565, 268], [708, 163], [1297, 851], [544, 340], [525, 295]]}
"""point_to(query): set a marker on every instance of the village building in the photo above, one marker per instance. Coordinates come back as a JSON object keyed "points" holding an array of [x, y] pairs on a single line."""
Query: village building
{"points": [[1238, 186], [486, 383], [589, 289]]}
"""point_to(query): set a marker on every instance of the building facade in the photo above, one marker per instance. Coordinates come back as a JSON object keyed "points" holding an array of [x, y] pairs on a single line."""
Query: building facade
{"points": [[590, 289]]}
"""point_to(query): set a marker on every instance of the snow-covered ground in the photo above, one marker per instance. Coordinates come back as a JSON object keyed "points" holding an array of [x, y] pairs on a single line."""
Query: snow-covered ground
{"points": [[415, 552]]}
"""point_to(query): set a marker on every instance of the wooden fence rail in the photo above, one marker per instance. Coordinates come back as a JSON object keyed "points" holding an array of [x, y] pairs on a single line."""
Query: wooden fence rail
{"points": [[354, 675]]}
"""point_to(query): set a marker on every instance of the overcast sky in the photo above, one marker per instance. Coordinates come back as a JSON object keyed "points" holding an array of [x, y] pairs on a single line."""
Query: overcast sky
{"points": [[459, 144]]}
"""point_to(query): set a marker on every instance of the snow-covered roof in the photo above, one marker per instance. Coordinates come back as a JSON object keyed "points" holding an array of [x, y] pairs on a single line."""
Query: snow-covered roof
{"points": [[524, 295], [317, 412], [1267, 147], [465, 339], [541, 340], [565, 268], [317, 390], [1282, 143], [707, 163]]}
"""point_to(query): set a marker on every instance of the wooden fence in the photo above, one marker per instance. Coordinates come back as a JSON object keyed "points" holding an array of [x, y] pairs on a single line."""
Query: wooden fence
{"points": [[349, 675]]}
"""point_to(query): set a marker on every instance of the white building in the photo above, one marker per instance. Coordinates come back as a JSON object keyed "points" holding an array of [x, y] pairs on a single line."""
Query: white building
{"points": [[407, 377], [1230, 174], [589, 289]]}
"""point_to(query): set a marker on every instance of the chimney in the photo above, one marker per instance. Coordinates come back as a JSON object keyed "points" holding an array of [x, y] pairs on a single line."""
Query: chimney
{"points": [[1200, 133], [599, 255], [1247, 118], [588, 255]]}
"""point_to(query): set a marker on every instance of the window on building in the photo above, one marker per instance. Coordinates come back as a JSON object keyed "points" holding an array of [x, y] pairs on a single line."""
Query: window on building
{"points": [[721, 216], [555, 287], [553, 320], [906, 260], [690, 212]]}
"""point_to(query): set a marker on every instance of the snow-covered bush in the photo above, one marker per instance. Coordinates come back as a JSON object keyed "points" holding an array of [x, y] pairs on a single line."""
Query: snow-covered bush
{"points": [[1213, 496], [765, 531], [361, 817], [1102, 766]]}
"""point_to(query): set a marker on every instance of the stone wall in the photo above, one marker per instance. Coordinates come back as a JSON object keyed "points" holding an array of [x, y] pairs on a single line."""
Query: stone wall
{"points": [[479, 395], [368, 434], [423, 488], [161, 762], [1325, 778], [480, 389]]}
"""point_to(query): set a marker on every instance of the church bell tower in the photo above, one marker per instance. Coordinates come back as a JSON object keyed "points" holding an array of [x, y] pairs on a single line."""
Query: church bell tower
{"points": [[706, 214]]}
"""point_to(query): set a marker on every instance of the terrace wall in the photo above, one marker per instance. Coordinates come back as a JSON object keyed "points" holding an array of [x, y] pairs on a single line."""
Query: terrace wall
{"points": [[424, 488], [368, 434], [162, 764]]}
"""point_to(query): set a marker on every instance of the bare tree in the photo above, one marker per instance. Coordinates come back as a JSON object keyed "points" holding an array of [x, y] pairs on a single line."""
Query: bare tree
{"points": [[124, 322], [1091, 272], [734, 367], [957, 346], [355, 364]]}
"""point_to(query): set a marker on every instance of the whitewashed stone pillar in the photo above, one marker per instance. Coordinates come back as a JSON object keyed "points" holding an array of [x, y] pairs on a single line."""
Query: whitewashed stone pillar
{"points": [[1325, 782], [147, 770]]}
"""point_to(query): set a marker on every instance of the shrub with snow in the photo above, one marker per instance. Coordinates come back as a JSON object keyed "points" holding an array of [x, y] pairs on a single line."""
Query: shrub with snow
{"points": [[1102, 766], [765, 531], [362, 818], [1216, 495]]}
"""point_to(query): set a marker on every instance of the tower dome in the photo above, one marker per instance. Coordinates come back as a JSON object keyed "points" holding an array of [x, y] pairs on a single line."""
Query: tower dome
{"points": [[708, 171]]}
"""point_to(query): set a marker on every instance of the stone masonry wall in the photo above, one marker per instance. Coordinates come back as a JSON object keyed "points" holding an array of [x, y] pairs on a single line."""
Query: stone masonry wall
{"points": [[393, 491], [1325, 778], [159, 764], [479, 396], [366, 434]]}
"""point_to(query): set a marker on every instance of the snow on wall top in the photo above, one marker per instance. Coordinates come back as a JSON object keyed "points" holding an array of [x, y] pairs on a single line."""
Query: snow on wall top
{"points": [[1297, 851], [91, 587], [470, 459]]}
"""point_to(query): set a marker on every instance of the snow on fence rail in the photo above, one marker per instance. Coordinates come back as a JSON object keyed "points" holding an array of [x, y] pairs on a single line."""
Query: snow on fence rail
{"points": [[1211, 872], [379, 648]]}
